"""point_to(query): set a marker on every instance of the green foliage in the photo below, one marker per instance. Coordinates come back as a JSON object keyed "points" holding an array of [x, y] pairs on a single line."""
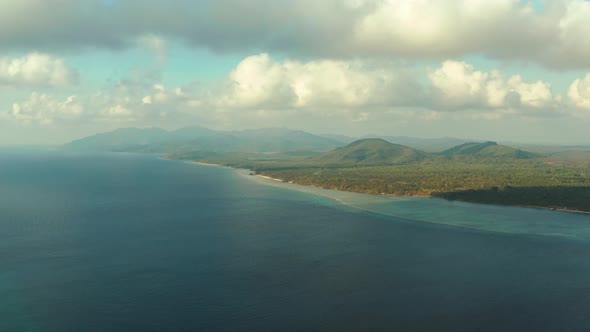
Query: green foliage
{"points": [[488, 150], [510, 182], [371, 151], [475, 172], [558, 197], [468, 148]]}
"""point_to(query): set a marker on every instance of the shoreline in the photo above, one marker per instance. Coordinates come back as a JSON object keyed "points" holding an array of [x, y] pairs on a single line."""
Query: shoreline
{"points": [[271, 178], [205, 164], [266, 177], [433, 197]]}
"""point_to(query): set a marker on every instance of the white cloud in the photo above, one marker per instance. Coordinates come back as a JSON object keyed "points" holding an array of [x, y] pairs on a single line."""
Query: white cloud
{"points": [[41, 109], [147, 99], [579, 93], [554, 36], [260, 81], [261, 88], [572, 48], [157, 45], [459, 85], [434, 28], [36, 70]]}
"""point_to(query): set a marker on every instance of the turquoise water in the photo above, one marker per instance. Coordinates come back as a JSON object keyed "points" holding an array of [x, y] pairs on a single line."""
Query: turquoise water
{"points": [[493, 218], [121, 242]]}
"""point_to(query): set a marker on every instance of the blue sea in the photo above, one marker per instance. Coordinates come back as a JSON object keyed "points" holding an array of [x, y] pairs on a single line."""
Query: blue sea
{"points": [[124, 242]]}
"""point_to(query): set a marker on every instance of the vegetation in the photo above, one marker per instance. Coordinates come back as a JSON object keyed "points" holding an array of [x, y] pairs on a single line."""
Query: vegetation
{"points": [[488, 150], [372, 151], [485, 172], [377, 167]]}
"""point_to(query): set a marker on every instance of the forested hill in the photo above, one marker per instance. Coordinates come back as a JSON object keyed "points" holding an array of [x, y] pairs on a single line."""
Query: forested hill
{"points": [[371, 151], [488, 150], [476, 172]]}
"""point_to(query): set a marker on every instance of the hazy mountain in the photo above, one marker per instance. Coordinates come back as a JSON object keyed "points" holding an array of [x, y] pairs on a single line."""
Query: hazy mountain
{"points": [[340, 138], [120, 139], [371, 151], [190, 133], [571, 156], [281, 140], [423, 144], [488, 150], [156, 140]]}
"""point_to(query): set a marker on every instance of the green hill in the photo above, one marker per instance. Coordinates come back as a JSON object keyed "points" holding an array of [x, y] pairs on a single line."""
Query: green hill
{"points": [[369, 152], [488, 150], [424, 144]]}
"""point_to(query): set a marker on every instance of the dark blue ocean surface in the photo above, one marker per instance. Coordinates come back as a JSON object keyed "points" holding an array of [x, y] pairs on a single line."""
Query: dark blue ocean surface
{"points": [[119, 242]]}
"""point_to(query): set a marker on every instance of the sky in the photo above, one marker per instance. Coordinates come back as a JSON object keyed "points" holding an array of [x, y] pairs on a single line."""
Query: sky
{"points": [[506, 70]]}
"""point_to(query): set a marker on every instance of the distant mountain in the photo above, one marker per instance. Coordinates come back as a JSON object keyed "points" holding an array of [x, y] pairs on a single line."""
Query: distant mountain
{"points": [[488, 150], [119, 139], [282, 140], [550, 149], [369, 152], [190, 133], [576, 156], [340, 138], [423, 144], [190, 139]]}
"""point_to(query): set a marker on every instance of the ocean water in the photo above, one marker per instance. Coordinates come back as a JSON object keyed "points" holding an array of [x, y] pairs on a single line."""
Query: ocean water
{"points": [[122, 242]]}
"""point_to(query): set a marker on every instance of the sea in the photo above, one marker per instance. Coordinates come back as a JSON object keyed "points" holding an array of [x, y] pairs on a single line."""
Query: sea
{"points": [[128, 242]]}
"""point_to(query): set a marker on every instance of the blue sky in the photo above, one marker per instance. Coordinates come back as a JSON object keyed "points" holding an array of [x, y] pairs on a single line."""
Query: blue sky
{"points": [[502, 70]]}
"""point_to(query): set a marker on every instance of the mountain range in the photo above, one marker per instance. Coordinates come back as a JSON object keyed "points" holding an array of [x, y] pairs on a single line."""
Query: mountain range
{"points": [[195, 138], [321, 149], [157, 140], [489, 150]]}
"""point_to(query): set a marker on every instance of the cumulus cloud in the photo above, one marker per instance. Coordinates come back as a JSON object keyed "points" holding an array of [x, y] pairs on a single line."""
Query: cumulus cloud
{"points": [[259, 81], [459, 85], [44, 110], [449, 28], [510, 29], [579, 93], [261, 87], [128, 102], [36, 70]]}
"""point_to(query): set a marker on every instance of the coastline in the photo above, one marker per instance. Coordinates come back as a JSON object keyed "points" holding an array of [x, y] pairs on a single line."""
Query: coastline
{"points": [[266, 177], [271, 178], [546, 208], [205, 164]]}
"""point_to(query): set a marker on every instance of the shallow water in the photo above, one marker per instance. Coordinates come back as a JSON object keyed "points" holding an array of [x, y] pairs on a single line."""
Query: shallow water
{"points": [[121, 242], [504, 219]]}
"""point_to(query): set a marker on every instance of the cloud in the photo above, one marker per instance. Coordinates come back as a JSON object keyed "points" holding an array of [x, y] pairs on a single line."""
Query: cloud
{"points": [[553, 36], [458, 85], [36, 70], [448, 28], [42, 109], [261, 82], [157, 45], [579, 93], [260, 88]]}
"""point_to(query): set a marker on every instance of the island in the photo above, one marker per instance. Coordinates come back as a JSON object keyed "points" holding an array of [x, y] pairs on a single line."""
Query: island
{"points": [[552, 177], [472, 172]]}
